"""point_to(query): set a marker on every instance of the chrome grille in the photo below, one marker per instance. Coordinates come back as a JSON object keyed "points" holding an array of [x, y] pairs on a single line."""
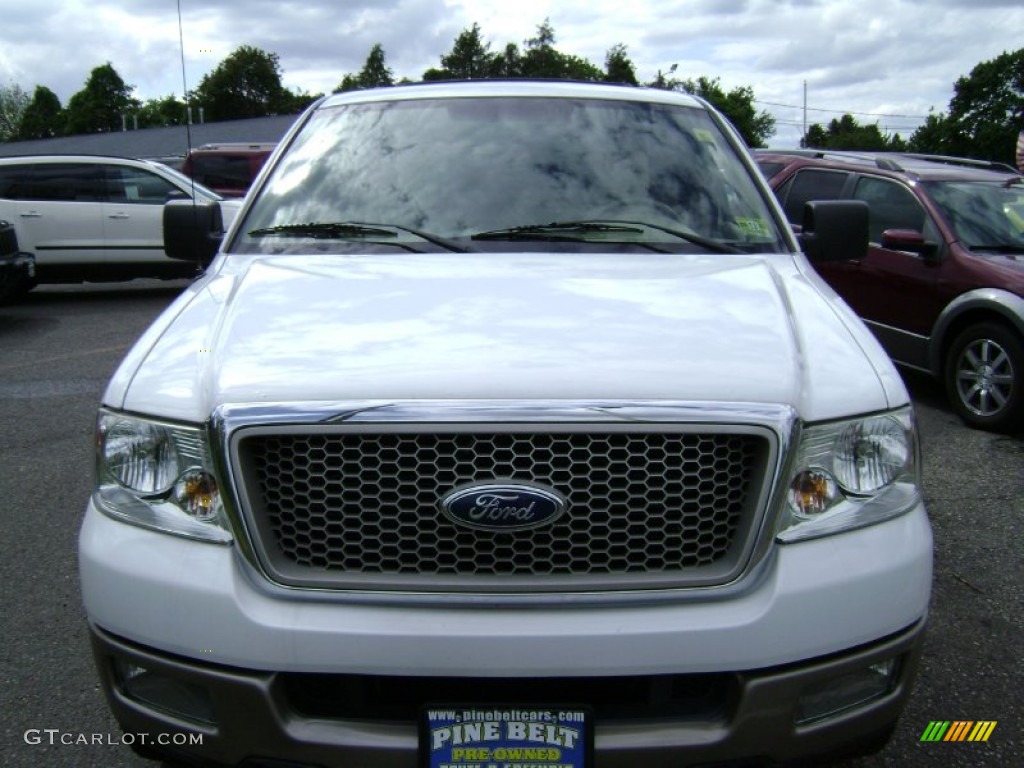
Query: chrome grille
{"points": [[361, 507]]}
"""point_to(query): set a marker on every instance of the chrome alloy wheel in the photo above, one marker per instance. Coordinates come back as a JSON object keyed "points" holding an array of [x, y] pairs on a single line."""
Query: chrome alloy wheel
{"points": [[984, 377]]}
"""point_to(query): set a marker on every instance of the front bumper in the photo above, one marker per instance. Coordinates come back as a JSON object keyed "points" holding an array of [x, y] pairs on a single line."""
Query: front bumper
{"points": [[258, 716], [817, 610]]}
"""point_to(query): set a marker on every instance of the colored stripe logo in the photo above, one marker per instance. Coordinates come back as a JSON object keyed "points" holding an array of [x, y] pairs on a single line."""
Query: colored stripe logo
{"points": [[958, 730]]}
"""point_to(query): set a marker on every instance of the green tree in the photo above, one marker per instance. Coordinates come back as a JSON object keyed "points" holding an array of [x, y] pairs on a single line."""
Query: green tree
{"points": [[508, 63], [245, 84], [433, 74], [985, 114], [816, 138], [666, 81], [13, 103], [846, 133], [349, 82], [158, 113], [43, 117], [374, 74], [618, 67], [937, 136], [543, 60], [299, 100], [101, 105], [987, 109], [578, 68], [470, 57]]}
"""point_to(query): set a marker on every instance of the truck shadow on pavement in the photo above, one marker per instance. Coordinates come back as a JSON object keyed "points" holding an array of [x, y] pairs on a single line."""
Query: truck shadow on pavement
{"points": [[52, 293]]}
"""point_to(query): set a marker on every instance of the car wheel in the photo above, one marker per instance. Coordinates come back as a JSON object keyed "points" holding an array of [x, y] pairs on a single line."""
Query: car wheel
{"points": [[985, 377], [15, 293]]}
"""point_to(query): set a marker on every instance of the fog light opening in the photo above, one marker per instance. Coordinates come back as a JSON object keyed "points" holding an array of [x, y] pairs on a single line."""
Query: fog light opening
{"points": [[837, 695], [179, 698]]}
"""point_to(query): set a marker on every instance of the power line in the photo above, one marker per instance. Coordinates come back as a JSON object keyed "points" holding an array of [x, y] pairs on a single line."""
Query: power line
{"points": [[887, 126], [840, 111]]}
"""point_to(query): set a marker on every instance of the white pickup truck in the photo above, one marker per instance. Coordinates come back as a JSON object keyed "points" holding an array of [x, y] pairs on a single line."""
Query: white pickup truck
{"points": [[509, 425]]}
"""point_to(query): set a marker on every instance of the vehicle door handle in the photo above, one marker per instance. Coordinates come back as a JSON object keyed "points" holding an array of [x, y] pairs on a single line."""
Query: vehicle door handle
{"points": [[31, 215], [118, 216]]}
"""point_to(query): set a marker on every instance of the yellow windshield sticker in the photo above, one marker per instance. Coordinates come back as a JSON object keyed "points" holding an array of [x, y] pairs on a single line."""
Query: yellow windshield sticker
{"points": [[754, 227]]}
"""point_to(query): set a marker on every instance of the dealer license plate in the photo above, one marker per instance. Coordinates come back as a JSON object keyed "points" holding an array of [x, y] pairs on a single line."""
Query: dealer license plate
{"points": [[483, 736]]}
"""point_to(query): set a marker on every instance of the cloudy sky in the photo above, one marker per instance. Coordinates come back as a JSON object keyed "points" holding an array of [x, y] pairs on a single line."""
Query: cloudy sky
{"points": [[885, 61]]}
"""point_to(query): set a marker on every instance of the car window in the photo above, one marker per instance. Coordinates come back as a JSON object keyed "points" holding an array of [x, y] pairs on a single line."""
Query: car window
{"points": [[61, 182], [134, 185], [12, 179], [811, 184], [770, 167], [891, 206], [224, 171]]}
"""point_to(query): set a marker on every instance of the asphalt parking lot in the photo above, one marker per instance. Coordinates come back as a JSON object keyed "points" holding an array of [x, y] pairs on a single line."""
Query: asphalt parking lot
{"points": [[59, 346]]}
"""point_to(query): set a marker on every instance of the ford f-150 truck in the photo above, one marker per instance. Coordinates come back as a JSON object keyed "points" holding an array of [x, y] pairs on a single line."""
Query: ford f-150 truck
{"points": [[508, 425]]}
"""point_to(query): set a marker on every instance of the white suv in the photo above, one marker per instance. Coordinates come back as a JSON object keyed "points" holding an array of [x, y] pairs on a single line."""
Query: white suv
{"points": [[87, 217], [508, 426]]}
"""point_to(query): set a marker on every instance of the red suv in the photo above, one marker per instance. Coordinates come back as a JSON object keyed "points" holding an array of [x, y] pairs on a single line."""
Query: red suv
{"points": [[942, 283], [227, 169]]}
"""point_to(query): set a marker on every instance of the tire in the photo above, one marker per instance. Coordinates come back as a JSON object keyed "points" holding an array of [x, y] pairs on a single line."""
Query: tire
{"points": [[984, 377], [15, 293]]}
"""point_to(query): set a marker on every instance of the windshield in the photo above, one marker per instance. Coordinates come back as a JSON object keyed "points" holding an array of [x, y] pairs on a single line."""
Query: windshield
{"points": [[985, 215], [497, 173]]}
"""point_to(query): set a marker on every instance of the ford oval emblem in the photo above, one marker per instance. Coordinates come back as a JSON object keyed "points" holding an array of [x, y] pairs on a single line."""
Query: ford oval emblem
{"points": [[502, 507]]}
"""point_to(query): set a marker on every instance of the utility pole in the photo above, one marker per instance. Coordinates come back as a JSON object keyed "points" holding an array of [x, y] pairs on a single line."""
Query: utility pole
{"points": [[804, 141]]}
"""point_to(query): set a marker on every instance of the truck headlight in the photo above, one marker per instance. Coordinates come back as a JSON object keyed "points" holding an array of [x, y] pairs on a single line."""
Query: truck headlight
{"points": [[850, 474], [158, 475]]}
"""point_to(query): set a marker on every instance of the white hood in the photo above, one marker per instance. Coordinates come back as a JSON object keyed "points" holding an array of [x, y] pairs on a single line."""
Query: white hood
{"points": [[724, 329]]}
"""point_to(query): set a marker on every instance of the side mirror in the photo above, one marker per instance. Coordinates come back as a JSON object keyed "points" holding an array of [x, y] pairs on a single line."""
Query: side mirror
{"points": [[193, 230], [909, 240], [835, 230]]}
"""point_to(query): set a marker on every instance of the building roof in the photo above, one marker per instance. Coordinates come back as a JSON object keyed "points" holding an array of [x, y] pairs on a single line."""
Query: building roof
{"points": [[173, 141]]}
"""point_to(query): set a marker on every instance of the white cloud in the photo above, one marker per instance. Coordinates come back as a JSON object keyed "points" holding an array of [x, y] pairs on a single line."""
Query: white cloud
{"points": [[892, 57]]}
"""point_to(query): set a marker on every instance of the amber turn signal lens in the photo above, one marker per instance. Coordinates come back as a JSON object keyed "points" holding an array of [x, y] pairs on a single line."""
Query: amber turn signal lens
{"points": [[812, 492]]}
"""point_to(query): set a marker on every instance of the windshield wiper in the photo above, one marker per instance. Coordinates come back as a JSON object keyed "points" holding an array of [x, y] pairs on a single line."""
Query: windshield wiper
{"points": [[323, 230], [999, 248], [557, 230], [691, 237], [577, 230], [354, 230]]}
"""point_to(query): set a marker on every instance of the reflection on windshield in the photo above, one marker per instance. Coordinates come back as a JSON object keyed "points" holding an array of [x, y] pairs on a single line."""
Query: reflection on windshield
{"points": [[455, 167], [982, 213]]}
